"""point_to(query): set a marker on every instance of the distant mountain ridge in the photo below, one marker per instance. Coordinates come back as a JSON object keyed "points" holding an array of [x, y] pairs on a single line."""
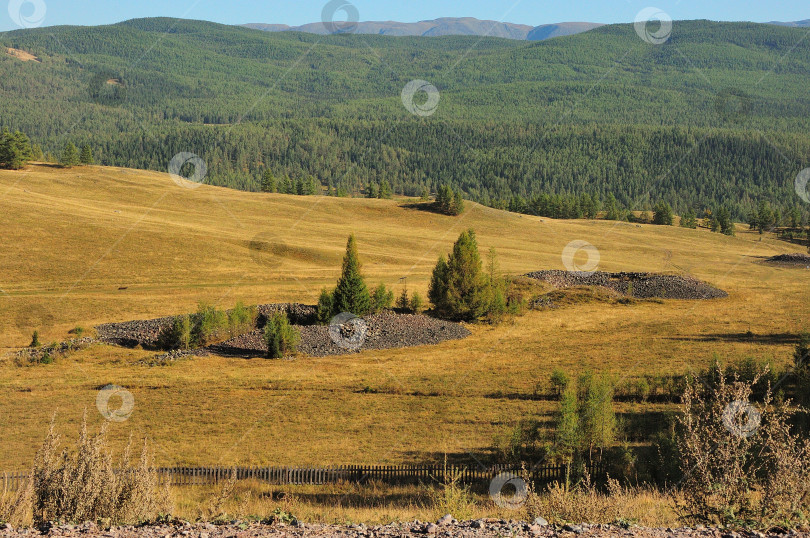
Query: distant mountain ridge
{"points": [[795, 24], [446, 26]]}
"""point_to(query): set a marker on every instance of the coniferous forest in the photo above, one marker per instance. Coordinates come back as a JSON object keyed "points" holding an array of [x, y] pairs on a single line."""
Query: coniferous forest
{"points": [[717, 117]]}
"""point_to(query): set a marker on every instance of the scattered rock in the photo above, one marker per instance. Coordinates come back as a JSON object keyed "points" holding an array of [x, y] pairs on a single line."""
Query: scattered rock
{"points": [[482, 528], [445, 520]]}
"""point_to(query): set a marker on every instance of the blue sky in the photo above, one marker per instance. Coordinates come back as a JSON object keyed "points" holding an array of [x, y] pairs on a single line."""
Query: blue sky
{"points": [[293, 12]]}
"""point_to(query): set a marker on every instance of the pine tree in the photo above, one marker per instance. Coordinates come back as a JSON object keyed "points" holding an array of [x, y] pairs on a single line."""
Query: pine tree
{"points": [[70, 156], [86, 155], [268, 181], [351, 294], [402, 301]]}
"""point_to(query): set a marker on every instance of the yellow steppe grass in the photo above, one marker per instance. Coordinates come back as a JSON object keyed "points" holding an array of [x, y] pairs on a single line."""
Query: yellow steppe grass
{"points": [[94, 244]]}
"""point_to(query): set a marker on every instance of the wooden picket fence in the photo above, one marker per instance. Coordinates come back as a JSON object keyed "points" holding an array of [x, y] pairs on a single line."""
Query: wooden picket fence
{"points": [[389, 474]]}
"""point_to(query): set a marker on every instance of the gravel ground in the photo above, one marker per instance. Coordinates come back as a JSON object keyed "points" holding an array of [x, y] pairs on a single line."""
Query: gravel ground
{"points": [[796, 259], [465, 529], [382, 331], [644, 285]]}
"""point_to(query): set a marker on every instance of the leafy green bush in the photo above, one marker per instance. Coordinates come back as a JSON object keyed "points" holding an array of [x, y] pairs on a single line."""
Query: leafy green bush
{"points": [[209, 325], [281, 338], [177, 335], [381, 298], [241, 319]]}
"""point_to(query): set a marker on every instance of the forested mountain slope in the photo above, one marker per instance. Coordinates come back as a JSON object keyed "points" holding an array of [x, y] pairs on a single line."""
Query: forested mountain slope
{"points": [[717, 115]]}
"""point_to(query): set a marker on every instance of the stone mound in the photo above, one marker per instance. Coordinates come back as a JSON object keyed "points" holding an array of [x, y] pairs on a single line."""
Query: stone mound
{"points": [[639, 285], [796, 259], [385, 330]]}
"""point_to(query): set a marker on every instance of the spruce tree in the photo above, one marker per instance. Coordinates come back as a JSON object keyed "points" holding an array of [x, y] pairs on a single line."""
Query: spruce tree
{"points": [[70, 156], [86, 155], [724, 221], [351, 294], [459, 289], [457, 207], [689, 220], [662, 214], [612, 211], [385, 190], [268, 181], [15, 150]]}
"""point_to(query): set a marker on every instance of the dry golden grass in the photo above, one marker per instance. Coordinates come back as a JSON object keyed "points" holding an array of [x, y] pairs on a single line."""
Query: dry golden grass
{"points": [[22, 55], [380, 504], [72, 238]]}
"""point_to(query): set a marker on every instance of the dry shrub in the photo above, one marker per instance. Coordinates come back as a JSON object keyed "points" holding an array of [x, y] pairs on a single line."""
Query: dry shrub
{"points": [[742, 464], [582, 503], [15, 506], [452, 497], [83, 484], [214, 508], [585, 503]]}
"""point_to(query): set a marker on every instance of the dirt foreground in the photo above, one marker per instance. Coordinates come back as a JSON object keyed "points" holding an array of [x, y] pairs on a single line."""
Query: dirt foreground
{"points": [[444, 527]]}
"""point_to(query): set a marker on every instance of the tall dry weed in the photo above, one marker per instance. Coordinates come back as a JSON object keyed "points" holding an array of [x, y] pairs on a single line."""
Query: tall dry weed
{"points": [[743, 464], [84, 485]]}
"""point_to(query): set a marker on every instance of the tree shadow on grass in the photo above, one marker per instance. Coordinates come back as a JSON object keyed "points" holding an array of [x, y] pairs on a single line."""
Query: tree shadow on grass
{"points": [[746, 337]]}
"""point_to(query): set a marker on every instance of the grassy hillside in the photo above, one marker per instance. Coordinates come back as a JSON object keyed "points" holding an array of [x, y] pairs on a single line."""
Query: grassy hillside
{"points": [[717, 115], [95, 244]]}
